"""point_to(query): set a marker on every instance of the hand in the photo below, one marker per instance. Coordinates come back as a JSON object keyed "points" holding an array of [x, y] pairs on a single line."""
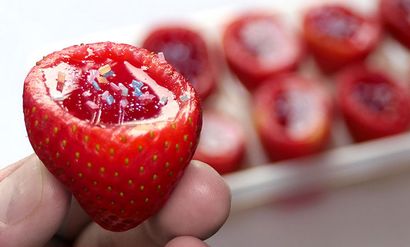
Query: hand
{"points": [[35, 207]]}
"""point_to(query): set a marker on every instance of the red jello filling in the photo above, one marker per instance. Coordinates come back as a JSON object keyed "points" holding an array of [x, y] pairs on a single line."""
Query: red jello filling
{"points": [[105, 91], [336, 23], [376, 95], [297, 112]]}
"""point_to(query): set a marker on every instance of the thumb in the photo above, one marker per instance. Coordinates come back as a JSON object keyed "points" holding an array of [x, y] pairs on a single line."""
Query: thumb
{"points": [[32, 204]]}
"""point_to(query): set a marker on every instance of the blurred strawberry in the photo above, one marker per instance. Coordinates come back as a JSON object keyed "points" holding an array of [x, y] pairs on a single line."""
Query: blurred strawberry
{"points": [[187, 51], [293, 116], [337, 36], [258, 46], [374, 104], [222, 143]]}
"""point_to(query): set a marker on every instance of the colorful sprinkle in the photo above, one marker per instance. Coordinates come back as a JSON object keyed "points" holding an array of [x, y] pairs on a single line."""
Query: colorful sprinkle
{"points": [[60, 81], [91, 105], [163, 100], [96, 85], [137, 92], [107, 97], [92, 76], [123, 103], [144, 68], [114, 87], [102, 80], [161, 57], [86, 93], [106, 71], [184, 97], [124, 89], [136, 84]]}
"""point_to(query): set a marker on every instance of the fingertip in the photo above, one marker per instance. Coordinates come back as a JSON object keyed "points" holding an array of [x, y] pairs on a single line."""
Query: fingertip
{"points": [[198, 206], [33, 204], [186, 241]]}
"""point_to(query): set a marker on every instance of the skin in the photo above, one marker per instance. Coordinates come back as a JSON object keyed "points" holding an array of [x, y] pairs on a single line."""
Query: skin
{"points": [[32, 219]]}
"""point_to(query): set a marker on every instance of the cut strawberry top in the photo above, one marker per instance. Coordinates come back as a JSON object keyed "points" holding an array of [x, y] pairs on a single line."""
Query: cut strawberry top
{"points": [[338, 36], [292, 116], [257, 46], [373, 104], [110, 91]]}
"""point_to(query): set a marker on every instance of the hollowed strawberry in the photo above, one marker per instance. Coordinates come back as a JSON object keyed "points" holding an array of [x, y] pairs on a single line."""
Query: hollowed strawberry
{"points": [[395, 15], [293, 116], [337, 36], [115, 124], [187, 51], [373, 104], [258, 46], [222, 143]]}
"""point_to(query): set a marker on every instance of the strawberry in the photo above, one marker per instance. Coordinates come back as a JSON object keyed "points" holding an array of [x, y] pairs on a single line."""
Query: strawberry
{"points": [[293, 116], [222, 142], [115, 124], [187, 51], [373, 103], [337, 36], [395, 15], [257, 46]]}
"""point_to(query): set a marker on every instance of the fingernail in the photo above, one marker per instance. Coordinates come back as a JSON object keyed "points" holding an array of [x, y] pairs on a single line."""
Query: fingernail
{"points": [[21, 192]]}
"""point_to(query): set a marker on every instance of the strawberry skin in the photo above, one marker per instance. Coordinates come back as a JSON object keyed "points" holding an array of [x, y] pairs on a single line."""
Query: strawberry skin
{"points": [[121, 174]]}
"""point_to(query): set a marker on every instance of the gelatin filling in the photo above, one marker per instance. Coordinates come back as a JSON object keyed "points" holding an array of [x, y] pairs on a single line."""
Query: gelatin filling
{"points": [[336, 23], [108, 92], [375, 95], [298, 113]]}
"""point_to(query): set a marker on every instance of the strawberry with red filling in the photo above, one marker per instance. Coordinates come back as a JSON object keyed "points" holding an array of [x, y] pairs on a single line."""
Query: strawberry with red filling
{"points": [[258, 46], [293, 116], [337, 36], [115, 124], [222, 143], [373, 104], [188, 52]]}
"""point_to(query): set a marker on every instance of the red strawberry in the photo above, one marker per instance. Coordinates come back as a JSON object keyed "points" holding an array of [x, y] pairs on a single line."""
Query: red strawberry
{"points": [[222, 143], [115, 124], [337, 36], [293, 116], [374, 104], [395, 15], [258, 46], [187, 51]]}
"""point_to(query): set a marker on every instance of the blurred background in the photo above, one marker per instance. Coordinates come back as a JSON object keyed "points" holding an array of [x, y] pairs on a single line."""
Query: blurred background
{"points": [[350, 192]]}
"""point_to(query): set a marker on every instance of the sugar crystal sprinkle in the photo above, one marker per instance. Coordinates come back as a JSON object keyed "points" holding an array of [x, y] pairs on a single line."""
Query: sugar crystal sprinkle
{"points": [[114, 87], [136, 84], [163, 100], [105, 70], [96, 85], [124, 89], [86, 93], [144, 67], [123, 103], [161, 57], [110, 99], [137, 92], [184, 97], [91, 105]]}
